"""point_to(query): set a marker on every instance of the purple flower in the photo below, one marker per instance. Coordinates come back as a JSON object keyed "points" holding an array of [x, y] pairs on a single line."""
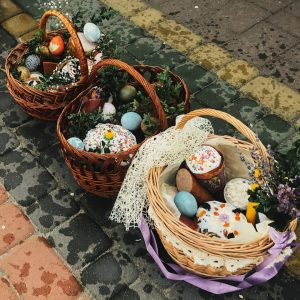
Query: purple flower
{"points": [[224, 218], [287, 201]]}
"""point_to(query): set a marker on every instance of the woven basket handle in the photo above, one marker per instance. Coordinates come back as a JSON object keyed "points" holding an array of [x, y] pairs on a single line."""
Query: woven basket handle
{"points": [[80, 54], [138, 77], [241, 127]]}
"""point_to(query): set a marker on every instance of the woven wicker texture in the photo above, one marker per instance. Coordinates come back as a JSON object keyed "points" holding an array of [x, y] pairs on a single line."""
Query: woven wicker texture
{"points": [[46, 105], [195, 239], [103, 174]]}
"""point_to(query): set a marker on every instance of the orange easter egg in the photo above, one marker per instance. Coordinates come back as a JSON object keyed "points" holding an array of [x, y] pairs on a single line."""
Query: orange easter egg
{"points": [[56, 45]]}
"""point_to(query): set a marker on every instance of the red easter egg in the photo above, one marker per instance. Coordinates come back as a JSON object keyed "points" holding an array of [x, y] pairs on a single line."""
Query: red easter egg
{"points": [[56, 45]]}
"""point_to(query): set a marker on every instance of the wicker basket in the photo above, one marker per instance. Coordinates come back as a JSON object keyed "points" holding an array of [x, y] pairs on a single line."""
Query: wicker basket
{"points": [[103, 174], [46, 105], [195, 239]]}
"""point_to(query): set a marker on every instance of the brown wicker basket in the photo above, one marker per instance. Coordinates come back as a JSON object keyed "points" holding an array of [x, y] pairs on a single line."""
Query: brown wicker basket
{"points": [[46, 105], [195, 239], [103, 174]]}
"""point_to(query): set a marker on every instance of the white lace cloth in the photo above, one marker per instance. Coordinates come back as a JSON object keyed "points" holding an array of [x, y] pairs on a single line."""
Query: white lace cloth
{"points": [[169, 147]]}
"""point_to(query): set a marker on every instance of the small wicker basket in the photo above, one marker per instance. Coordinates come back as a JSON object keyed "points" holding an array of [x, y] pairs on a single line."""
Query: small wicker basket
{"points": [[103, 174], [46, 105], [191, 238]]}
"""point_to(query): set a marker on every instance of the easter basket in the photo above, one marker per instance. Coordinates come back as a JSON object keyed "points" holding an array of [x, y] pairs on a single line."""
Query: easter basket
{"points": [[180, 240], [46, 104], [103, 173]]}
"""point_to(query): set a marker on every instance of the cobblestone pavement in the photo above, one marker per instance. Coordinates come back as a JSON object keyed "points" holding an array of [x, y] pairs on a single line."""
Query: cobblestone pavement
{"points": [[87, 256], [266, 33]]}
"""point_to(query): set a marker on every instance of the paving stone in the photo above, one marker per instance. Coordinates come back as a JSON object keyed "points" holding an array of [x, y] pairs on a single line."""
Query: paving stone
{"points": [[8, 140], [287, 144], [3, 194], [8, 9], [238, 16], [271, 5], [286, 22], [217, 94], [80, 241], [139, 291], [210, 56], [272, 130], [37, 135], [108, 275], [15, 226], [195, 76], [294, 8], [223, 128], [128, 58], [166, 57], [176, 35], [279, 98], [147, 18], [53, 161], [144, 46], [53, 209], [33, 7], [6, 289], [238, 72], [7, 41], [246, 110], [126, 8], [261, 42], [10, 113], [20, 24], [24, 178], [28, 36], [36, 272], [297, 124]]}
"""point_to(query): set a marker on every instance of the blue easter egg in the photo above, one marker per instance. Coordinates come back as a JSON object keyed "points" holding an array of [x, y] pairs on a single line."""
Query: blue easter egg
{"points": [[91, 32], [32, 62], [131, 120], [186, 203], [76, 142]]}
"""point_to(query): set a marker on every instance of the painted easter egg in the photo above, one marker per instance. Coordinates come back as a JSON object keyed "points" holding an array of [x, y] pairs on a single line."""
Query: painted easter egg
{"points": [[43, 50], [131, 121], [32, 62], [56, 45], [127, 93], [108, 111], [91, 32], [24, 73], [186, 203], [76, 142], [34, 79]]}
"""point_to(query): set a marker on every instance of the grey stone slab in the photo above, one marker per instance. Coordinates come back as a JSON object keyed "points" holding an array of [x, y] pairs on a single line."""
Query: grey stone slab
{"points": [[7, 41], [287, 144], [286, 22], [33, 7], [37, 135], [52, 209], [271, 5], [128, 58], [294, 8], [195, 76], [217, 95], [52, 160], [80, 241], [24, 178], [8, 140], [109, 274], [263, 41]]}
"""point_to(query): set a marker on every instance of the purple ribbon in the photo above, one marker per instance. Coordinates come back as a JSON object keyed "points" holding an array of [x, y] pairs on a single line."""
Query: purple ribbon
{"points": [[263, 272]]}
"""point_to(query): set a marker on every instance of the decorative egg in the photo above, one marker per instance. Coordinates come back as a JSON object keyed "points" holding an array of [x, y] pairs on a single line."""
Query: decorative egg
{"points": [[34, 79], [24, 73], [108, 111], [91, 32], [86, 45], [186, 203], [56, 45], [131, 121], [127, 93], [76, 142], [32, 62], [44, 50]]}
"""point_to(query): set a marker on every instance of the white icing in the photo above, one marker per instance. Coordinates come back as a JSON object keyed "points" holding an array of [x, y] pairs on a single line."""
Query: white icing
{"points": [[204, 160], [235, 192]]}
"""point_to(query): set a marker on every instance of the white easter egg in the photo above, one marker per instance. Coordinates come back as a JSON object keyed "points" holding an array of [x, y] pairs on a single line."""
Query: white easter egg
{"points": [[91, 32], [109, 111]]}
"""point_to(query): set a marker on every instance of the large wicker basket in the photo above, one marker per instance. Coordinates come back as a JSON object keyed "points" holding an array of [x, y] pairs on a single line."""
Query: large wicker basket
{"points": [[46, 105], [103, 174], [195, 239]]}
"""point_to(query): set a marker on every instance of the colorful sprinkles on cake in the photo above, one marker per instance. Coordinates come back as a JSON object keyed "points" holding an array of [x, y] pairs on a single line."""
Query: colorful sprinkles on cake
{"points": [[204, 160]]}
